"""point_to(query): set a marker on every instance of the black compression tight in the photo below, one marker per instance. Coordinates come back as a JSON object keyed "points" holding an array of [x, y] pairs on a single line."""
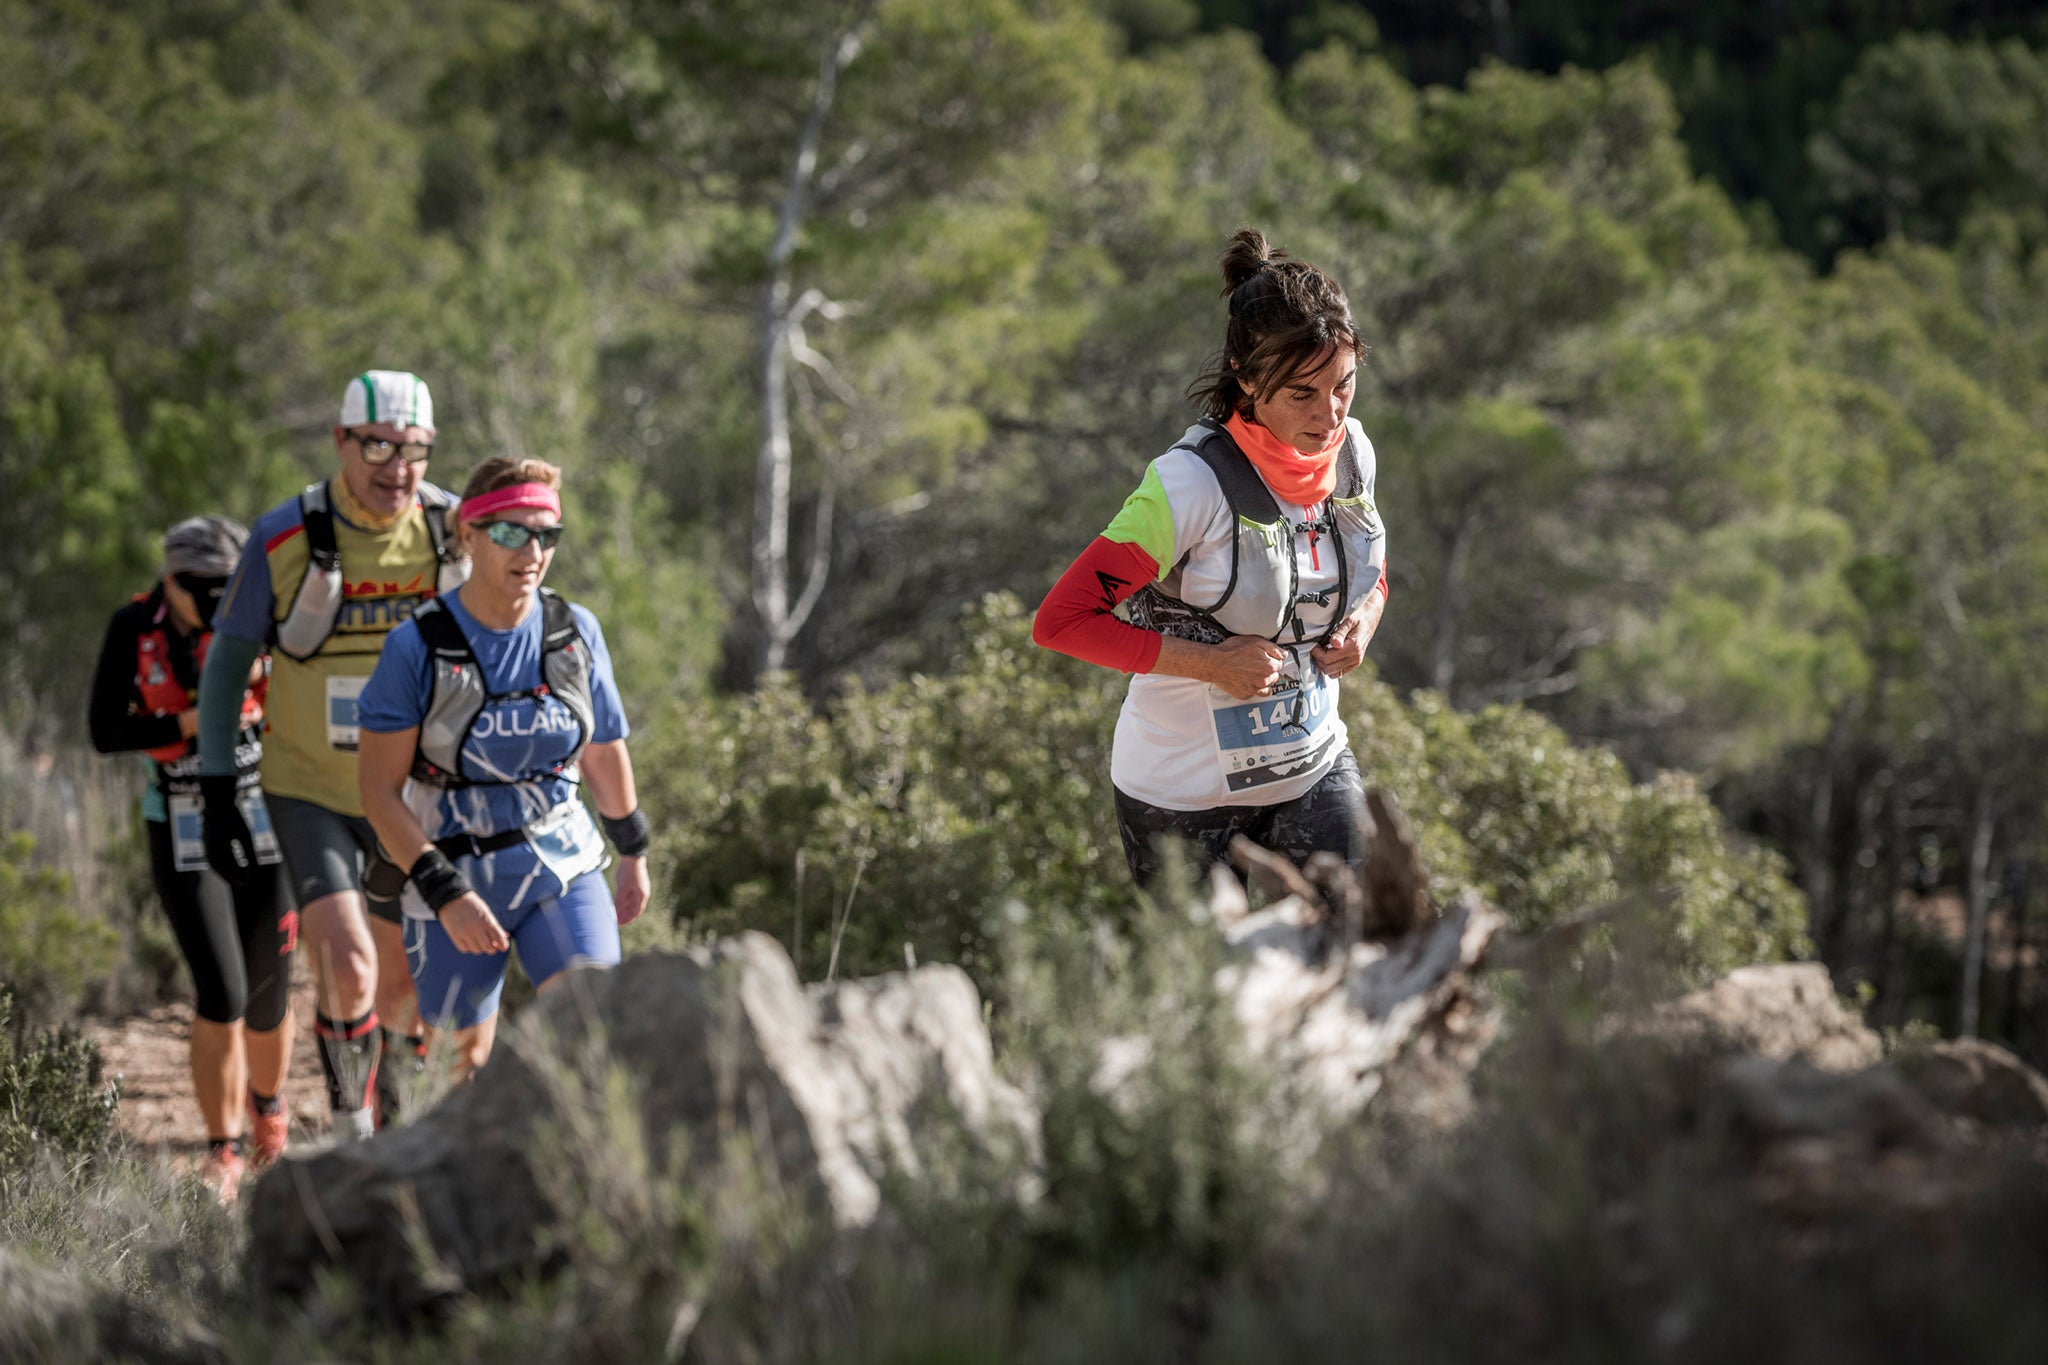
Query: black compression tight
{"points": [[237, 942], [1327, 816]]}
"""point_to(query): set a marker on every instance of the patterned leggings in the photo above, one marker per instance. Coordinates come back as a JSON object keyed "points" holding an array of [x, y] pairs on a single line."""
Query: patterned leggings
{"points": [[1325, 817]]}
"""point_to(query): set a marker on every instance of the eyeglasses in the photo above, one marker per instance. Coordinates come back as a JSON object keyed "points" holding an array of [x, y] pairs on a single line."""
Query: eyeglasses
{"points": [[378, 451], [512, 535]]}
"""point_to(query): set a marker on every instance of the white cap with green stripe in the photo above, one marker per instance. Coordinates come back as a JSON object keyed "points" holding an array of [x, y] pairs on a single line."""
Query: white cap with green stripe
{"points": [[395, 396]]}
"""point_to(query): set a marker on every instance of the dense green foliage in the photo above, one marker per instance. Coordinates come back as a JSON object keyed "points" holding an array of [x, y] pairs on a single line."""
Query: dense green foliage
{"points": [[52, 1102], [50, 955], [909, 819], [1696, 497]]}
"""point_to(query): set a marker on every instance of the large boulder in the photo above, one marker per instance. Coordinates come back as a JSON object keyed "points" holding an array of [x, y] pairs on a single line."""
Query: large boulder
{"points": [[1782, 1011], [1969, 1078], [829, 1086]]}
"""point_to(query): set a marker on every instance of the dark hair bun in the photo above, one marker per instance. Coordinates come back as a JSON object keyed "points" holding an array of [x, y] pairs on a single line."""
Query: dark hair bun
{"points": [[1246, 255]]}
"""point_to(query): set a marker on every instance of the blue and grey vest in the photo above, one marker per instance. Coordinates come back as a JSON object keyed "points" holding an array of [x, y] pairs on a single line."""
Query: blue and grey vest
{"points": [[461, 692]]}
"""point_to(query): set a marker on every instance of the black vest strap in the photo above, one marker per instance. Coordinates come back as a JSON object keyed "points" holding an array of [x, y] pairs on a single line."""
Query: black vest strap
{"points": [[1243, 489], [318, 516]]}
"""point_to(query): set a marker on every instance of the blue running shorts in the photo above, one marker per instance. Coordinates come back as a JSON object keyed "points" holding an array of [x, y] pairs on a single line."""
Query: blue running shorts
{"points": [[458, 989]]}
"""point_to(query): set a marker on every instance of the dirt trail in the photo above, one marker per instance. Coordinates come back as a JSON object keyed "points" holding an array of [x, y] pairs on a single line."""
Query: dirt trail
{"points": [[148, 1052]]}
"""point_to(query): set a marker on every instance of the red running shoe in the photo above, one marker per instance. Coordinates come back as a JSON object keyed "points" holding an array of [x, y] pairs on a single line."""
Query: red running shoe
{"points": [[269, 1134]]}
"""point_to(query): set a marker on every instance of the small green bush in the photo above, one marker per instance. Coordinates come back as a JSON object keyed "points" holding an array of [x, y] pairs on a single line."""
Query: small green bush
{"points": [[49, 954], [909, 814], [52, 1101]]}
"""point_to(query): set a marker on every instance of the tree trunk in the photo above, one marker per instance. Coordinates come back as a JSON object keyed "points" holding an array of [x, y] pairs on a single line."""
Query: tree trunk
{"points": [[781, 619], [1890, 1001], [1818, 861], [1503, 20], [2017, 893], [1979, 893], [1444, 653]]}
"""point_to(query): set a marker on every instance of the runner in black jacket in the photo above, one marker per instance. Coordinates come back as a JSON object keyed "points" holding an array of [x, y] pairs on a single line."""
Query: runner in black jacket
{"points": [[237, 941]]}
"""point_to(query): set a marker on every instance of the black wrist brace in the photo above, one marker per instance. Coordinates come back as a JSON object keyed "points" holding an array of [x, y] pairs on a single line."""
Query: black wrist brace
{"points": [[630, 834], [437, 880]]}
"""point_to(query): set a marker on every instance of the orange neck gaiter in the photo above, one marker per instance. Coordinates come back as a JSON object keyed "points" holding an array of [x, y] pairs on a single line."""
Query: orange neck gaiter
{"points": [[1293, 476]]}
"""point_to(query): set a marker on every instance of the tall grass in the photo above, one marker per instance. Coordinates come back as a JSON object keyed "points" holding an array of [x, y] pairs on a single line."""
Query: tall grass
{"points": [[1592, 1208], [79, 923]]}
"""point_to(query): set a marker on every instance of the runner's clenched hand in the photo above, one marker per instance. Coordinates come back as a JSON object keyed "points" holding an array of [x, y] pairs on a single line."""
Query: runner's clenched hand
{"points": [[1246, 666], [1346, 649], [472, 927]]}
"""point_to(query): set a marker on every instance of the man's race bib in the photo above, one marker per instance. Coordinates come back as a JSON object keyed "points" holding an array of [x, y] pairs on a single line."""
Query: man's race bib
{"points": [[188, 841], [1270, 739], [341, 711]]}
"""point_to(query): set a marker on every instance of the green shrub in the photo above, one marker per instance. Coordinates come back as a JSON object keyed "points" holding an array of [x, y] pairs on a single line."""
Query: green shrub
{"points": [[51, 1097], [49, 953], [1504, 802], [913, 813]]}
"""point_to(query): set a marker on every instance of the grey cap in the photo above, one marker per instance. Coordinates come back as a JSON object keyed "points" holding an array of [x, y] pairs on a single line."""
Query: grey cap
{"points": [[207, 546]]}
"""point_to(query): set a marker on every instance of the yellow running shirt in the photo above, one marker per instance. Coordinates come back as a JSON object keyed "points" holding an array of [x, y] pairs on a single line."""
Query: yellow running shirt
{"points": [[309, 750]]}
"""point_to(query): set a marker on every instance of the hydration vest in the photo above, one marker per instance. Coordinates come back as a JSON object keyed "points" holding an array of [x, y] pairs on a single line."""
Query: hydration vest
{"points": [[1263, 594], [461, 692], [165, 693], [317, 605]]}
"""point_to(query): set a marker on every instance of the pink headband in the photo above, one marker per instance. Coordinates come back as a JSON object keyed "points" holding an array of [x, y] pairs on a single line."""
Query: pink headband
{"points": [[518, 495]]}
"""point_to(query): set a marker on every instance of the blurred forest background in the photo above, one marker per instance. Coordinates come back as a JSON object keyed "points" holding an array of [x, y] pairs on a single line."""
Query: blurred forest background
{"points": [[1709, 379]]}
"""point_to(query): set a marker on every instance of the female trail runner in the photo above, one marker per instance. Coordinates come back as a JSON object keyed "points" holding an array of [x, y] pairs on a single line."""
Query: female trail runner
{"points": [[1252, 558], [485, 713]]}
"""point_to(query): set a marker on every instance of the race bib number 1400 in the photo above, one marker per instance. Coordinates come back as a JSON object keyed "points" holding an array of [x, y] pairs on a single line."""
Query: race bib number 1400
{"points": [[1270, 739]]}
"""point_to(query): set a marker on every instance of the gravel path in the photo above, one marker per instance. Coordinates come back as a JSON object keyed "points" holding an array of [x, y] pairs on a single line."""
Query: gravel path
{"points": [[148, 1052]]}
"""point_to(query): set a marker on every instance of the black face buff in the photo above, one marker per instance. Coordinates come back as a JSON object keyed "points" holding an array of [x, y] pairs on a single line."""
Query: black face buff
{"points": [[205, 590]]}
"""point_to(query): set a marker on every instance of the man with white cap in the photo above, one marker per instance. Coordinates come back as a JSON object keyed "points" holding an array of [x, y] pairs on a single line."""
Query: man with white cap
{"points": [[325, 577]]}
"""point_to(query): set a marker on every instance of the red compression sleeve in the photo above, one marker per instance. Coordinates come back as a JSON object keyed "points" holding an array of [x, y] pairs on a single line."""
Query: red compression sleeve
{"points": [[1075, 616]]}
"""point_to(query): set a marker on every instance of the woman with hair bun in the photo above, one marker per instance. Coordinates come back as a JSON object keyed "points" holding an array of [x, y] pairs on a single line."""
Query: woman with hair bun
{"points": [[485, 713], [1252, 559]]}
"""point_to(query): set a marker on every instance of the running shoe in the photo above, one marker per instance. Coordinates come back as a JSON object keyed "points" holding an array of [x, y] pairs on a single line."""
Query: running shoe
{"points": [[223, 1171], [269, 1134]]}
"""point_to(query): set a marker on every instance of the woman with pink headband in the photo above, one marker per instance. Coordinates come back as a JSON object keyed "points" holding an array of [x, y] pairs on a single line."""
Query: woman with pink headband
{"points": [[485, 712]]}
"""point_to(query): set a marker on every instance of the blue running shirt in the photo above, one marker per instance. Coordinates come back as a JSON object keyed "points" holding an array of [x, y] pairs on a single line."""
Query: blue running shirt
{"points": [[514, 743]]}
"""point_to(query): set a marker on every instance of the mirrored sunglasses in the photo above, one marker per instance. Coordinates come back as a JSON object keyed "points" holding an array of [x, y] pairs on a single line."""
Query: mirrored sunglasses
{"points": [[512, 535]]}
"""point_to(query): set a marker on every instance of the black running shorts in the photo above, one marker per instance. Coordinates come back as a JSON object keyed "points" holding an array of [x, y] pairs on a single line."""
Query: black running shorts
{"points": [[324, 851]]}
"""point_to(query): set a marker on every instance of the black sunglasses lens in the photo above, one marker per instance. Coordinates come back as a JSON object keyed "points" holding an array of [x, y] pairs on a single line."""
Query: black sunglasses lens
{"points": [[510, 535]]}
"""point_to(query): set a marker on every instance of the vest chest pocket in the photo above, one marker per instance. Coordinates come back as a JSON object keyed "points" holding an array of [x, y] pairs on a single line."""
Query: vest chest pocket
{"points": [[1358, 517]]}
